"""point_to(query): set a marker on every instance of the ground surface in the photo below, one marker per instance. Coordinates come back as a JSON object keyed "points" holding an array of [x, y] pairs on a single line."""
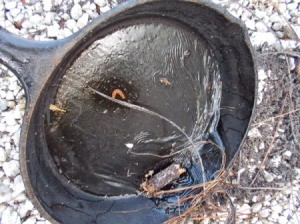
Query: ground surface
{"points": [[265, 175]]}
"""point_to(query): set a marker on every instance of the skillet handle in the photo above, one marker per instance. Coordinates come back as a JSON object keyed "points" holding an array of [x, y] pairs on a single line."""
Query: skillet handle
{"points": [[31, 61]]}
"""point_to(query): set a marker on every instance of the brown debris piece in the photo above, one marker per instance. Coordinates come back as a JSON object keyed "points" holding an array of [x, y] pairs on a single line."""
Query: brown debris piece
{"points": [[163, 178], [164, 81], [55, 108]]}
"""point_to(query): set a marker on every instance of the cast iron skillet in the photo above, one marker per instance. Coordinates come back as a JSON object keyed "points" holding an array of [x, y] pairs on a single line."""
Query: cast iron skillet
{"points": [[41, 65]]}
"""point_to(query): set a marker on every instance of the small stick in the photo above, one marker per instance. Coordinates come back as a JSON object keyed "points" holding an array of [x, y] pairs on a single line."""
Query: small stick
{"points": [[270, 145], [163, 178]]}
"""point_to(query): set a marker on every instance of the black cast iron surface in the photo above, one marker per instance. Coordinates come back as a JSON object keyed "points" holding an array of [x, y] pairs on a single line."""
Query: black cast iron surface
{"points": [[88, 142], [40, 67]]}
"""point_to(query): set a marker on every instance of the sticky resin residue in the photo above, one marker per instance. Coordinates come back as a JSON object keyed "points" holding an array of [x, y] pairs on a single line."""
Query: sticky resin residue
{"points": [[106, 148]]}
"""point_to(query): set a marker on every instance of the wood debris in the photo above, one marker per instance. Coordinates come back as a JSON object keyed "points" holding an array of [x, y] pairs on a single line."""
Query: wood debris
{"points": [[163, 178], [55, 108]]}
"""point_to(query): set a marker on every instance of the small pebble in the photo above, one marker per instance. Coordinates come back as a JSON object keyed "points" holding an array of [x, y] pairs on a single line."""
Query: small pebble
{"points": [[83, 20], [264, 213], [282, 220], [76, 12], [287, 155], [11, 168], [260, 26], [101, 3], [47, 5], [10, 5], [254, 133], [260, 38], [268, 177], [11, 104], [250, 24], [3, 104], [71, 24], [256, 207], [53, 31], [9, 216], [3, 155]]}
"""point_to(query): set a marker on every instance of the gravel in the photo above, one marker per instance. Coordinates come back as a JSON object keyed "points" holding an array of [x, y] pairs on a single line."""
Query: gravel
{"points": [[273, 26]]}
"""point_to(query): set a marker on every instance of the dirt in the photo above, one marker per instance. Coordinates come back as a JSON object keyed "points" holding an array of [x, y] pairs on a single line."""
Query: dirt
{"points": [[276, 98]]}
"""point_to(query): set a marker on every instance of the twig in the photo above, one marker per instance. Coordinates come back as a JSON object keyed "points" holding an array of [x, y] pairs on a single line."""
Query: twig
{"points": [[289, 53], [163, 178], [263, 188], [271, 118], [271, 144]]}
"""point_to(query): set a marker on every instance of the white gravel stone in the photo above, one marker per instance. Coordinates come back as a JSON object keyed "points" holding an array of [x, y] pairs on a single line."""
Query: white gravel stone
{"points": [[48, 18], [292, 6], [264, 213], [12, 129], [288, 44], [254, 133], [31, 220], [101, 3], [292, 63], [5, 193], [67, 32], [9, 216], [3, 155], [9, 119], [10, 95], [260, 38], [36, 19], [83, 20], [86, 6], [58, 2], [250, 24], [261, 27], [256, 207], [244, 211], [53, 30], [71, 24], [11, 168], [11, 104], [262, 74], [18, 186], [276, 161], [275, 18], [261, 146], [76, 12], [2, 127], [282, 220], [104, 9], [3, 104], [277, 208], [47, 5], [15, 12], [277, 26], [296, 28], [38, 7], [287, 155], [268, 176], [10, 5], [17, 114], [282, 7], [25, 208]]}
